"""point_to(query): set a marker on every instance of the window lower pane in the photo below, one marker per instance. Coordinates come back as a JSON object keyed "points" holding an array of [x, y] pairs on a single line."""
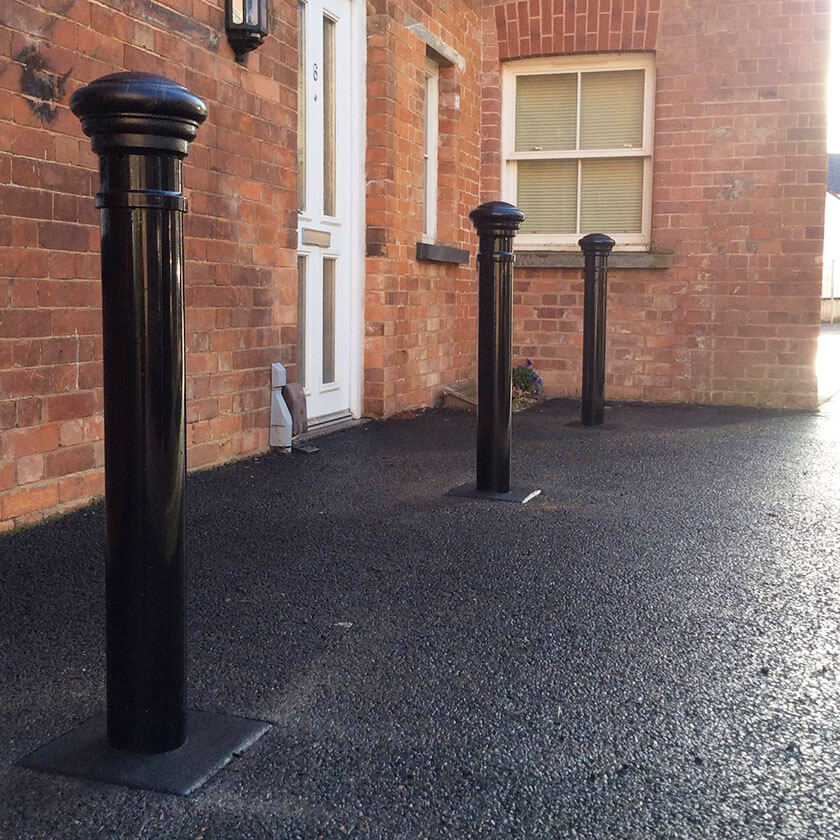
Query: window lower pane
{"points": [[301, 321], [547, 195], [328, 364], [611, 195]]}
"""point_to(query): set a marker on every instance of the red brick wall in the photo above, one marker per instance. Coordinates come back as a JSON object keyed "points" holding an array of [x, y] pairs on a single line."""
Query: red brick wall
{"points": [[739, 171], [419, 316], [240, 236], [529, 28], [739, 183]]}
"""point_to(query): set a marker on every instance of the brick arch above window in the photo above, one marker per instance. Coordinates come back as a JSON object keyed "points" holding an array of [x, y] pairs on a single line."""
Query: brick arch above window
{"points": [[530, 28]]}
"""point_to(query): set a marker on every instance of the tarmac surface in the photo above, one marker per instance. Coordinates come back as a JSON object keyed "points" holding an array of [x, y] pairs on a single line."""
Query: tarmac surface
{"points": [[649, 649]]}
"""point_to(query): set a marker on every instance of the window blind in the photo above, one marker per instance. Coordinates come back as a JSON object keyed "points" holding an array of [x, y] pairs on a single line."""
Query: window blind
{"points": [[611, 192], [546, 112], [547, 195], [611, 109]]}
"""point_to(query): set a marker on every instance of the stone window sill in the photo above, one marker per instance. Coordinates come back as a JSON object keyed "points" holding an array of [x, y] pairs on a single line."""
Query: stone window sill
{"points": [[430, 252], [571, 259]]}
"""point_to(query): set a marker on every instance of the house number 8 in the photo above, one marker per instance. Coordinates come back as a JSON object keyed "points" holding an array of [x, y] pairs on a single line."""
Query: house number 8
{"points": [[315, 72]]}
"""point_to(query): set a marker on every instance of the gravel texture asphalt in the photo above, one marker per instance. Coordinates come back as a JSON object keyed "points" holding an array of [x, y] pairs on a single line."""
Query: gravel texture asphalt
{"points": [[649, 649]]}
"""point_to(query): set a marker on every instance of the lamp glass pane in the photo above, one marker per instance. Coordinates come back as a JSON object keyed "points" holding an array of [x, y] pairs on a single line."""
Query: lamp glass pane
{"points": [[237, 12]]}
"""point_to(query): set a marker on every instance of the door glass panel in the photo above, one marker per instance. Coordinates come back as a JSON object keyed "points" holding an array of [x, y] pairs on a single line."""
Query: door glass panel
{"points": [[328, 372], [301, 321], [301, 108], [329, 116]]}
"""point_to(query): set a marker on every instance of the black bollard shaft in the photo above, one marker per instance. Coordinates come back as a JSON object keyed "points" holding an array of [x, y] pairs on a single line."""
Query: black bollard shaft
{"points": [[141, 126], [496, 223], [596, 249]]}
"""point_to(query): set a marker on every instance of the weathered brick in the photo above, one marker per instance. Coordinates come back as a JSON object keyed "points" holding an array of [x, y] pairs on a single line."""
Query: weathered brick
{"points": [[28, 499], [82, 487], [20, 442], [29, 469], [69, 460]]}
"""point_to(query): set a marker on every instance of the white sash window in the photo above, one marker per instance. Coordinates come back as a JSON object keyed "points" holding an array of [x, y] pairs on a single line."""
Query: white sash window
{"points": [[578, 148]]}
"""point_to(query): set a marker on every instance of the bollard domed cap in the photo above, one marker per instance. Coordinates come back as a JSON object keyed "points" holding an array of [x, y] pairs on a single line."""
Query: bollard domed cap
{"points": [[141, 111], [596, 243], [496, 216]]}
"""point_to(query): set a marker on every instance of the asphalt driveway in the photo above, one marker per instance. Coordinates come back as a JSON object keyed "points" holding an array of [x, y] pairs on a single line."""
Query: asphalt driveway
{"points": [[649, 649]]}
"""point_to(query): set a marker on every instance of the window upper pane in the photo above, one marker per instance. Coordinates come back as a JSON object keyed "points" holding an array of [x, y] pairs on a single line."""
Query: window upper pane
{"points": [[611, 191], [612, 109], [547, 195], [546, 112]]}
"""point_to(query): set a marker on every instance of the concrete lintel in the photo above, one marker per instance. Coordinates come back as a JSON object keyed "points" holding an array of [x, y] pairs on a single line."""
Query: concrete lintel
{"points": [[438, 50]]}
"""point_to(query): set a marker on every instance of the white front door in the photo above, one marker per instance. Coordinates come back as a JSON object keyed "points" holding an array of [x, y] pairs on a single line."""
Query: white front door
{"points": [[329, 261]]}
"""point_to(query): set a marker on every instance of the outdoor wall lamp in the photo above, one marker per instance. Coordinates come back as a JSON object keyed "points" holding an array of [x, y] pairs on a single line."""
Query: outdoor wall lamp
{"points": [[246, 24]]}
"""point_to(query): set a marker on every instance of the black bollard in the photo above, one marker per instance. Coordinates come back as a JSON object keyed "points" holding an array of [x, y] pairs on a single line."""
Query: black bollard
{"points": [[141, 125], [496, 223], [596, 249]]}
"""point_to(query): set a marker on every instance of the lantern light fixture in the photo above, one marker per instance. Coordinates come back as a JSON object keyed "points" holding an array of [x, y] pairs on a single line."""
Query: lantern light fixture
{"points": [[246, 24]]}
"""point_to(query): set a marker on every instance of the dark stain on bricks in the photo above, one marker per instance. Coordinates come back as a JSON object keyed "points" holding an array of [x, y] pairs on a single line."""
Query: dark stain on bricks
{"points": [[174, 22], [376, 242], [40, 84]]}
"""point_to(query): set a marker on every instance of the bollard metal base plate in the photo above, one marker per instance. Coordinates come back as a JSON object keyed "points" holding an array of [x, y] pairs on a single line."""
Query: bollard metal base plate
{"points": [[212, 741], [517, 495]]}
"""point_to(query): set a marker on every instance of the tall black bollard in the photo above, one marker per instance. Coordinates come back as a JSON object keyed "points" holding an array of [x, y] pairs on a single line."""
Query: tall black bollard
{"points": [[496, 223], [596, 249], [141, 125]]}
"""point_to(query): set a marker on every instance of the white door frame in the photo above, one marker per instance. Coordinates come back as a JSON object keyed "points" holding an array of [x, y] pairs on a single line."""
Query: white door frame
{"points": [[351, 149], [357, 222]]}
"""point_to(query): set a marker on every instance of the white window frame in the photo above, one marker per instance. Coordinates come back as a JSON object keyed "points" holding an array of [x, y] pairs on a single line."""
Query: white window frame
{"points": [[510, 157], [431, 138]]}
